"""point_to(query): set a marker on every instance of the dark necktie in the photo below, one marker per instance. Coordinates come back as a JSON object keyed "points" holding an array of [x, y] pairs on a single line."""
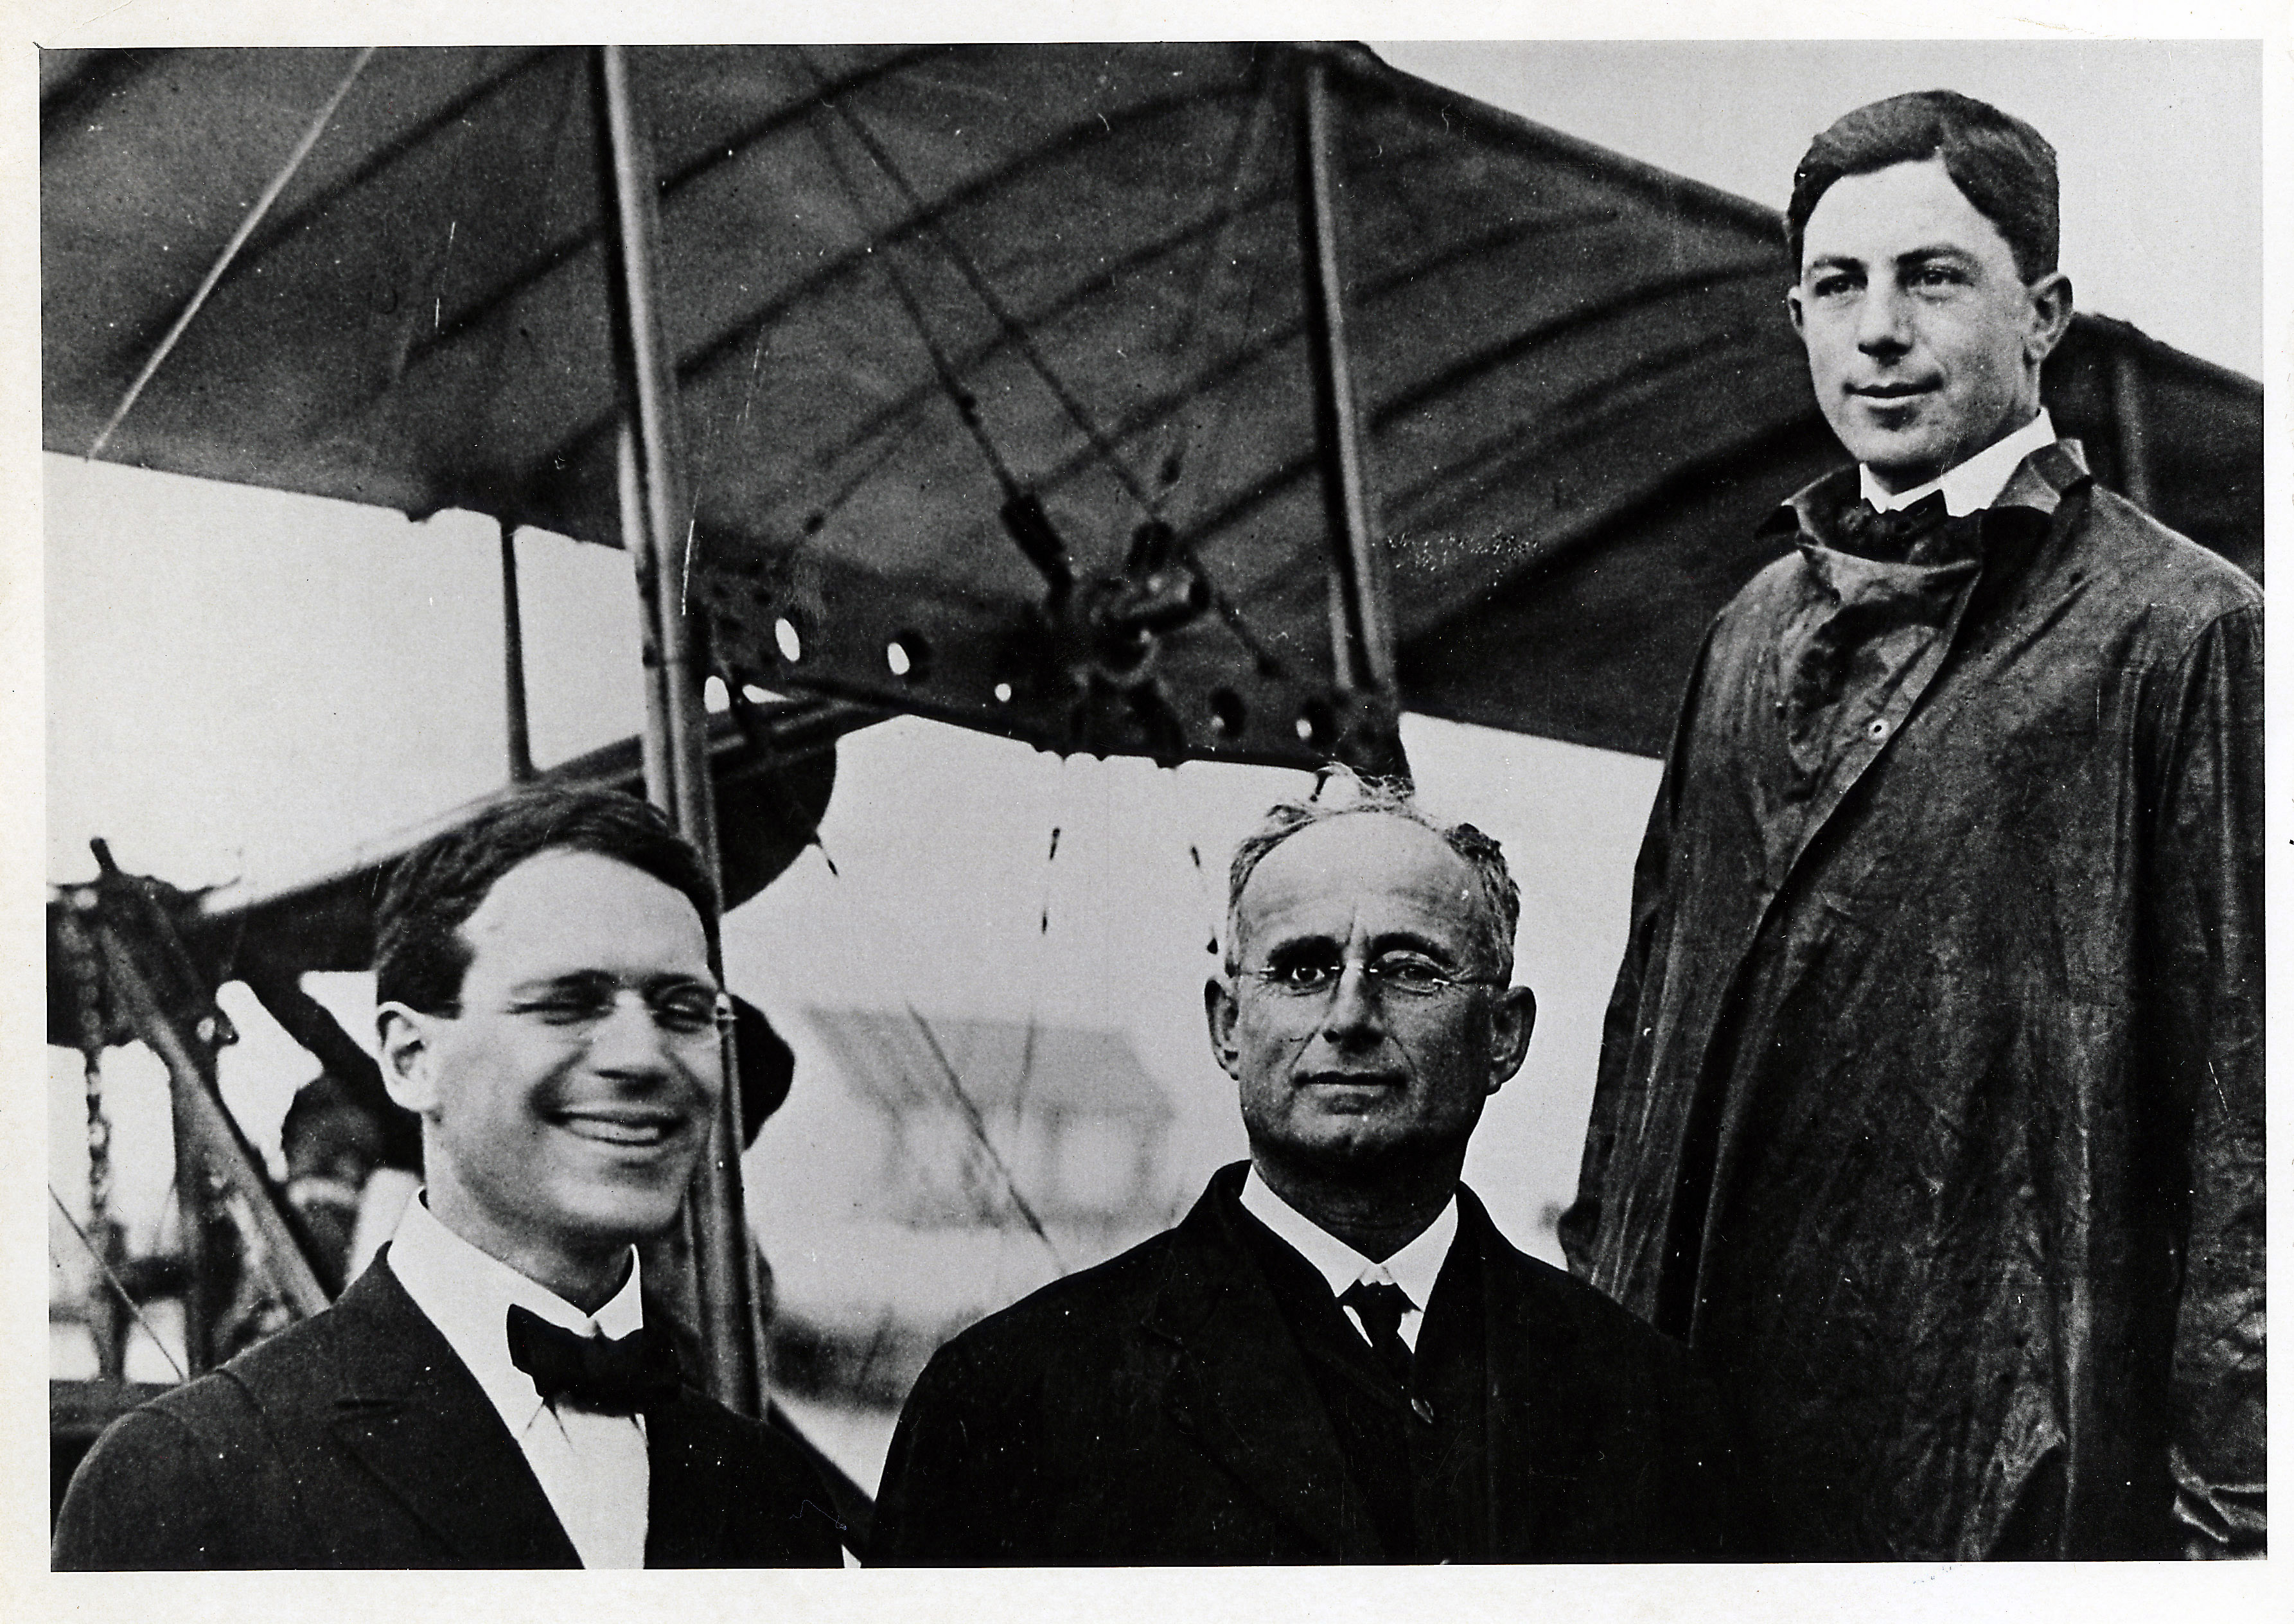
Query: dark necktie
{"points": [[1380, 1307], [619, 1376]]}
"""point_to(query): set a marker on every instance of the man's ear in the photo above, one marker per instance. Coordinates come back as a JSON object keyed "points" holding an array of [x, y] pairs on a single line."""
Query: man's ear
{"points": [[2051, 315], [1219, 1011], [1792, 309], [409, 1058], [1511, 1020]]}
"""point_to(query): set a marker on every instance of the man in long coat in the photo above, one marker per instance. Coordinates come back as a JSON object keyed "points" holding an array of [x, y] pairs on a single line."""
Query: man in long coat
{"points": [[1931, 1100], [1335, 1357]]}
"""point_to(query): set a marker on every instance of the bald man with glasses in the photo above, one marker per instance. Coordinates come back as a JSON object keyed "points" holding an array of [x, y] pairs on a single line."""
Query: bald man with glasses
{"points": [[1335, 1357]]}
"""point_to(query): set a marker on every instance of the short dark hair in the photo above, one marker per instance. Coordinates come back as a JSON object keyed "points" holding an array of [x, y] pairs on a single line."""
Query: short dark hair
{"points": [[2001, 165], [1356, 796], [421, 953]]}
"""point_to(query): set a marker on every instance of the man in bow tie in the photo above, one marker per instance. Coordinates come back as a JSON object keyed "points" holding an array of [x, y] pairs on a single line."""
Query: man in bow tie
{"points": [[1931, 1100], [1336, 1357], [491, 1393]]}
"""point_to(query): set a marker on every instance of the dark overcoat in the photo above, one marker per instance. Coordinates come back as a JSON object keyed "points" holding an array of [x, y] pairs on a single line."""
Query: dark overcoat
{"points": [[1931, 1102], [358, 1439], [1158, 1409]]}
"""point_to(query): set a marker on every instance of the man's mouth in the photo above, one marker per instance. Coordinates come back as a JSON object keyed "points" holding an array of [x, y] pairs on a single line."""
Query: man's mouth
{"points": [[1884, 393], [621, 1124], [1351, 1079]]}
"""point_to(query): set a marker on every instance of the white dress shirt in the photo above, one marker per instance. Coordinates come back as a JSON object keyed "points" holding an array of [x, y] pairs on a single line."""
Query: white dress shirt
{"points": [[1414, 1268], [592, 1466], [1974, 484]]}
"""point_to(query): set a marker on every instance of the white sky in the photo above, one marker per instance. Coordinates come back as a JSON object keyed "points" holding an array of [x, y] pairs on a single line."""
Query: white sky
{"points": [[2158, 142]]}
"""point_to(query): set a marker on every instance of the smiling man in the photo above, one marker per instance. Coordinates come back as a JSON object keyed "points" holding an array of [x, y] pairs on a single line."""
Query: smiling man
{"points": [[489, 1393], [1931, 1102], [1336, 1357]]}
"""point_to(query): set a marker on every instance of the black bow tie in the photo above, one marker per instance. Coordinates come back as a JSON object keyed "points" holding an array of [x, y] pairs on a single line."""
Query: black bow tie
{"points": [[617, 1374]]}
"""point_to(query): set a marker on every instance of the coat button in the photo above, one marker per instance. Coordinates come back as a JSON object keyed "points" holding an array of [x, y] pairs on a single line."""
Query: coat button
{"points": [[1876, 728]]}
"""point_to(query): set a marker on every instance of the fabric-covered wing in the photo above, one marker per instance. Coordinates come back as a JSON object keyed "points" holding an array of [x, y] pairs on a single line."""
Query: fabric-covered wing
{"points": [[994, 364]]}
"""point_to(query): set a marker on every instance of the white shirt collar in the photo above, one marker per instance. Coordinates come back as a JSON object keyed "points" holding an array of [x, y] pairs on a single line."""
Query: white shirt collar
{"points": [[1976, 483], [1414, 1268], [469, 1294]]}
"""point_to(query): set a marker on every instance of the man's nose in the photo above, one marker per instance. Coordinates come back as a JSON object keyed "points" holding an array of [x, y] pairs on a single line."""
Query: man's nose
{"points": [[629, 1038], [1882, 322], [1353, 1010]]}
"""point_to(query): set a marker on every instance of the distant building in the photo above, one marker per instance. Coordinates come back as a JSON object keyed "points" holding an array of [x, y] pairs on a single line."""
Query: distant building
{"points": [[972, 1161], [970, 1112]]}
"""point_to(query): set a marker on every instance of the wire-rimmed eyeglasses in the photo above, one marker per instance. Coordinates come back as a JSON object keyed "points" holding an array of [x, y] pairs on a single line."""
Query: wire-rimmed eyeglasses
{"points": [[1403, 977], [579, 1005]]}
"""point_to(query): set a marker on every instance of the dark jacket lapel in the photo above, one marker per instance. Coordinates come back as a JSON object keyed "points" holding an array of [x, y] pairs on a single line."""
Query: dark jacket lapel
{"points": [[689, 1489], [413, 1414], [1239, 1388], [1542, 1406]]}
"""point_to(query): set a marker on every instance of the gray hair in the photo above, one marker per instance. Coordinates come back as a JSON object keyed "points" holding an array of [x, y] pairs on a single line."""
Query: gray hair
{"points": [[1499, 910]]}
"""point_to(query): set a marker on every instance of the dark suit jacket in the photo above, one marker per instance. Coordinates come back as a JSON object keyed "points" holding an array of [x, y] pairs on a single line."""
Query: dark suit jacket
{"points": [[1158, 1409], [358, 1439]]}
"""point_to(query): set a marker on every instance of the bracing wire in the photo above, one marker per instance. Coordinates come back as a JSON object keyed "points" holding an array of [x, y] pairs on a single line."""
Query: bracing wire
{"points": [[1042, 942], [967, 1108], [247, 225], [973, 278], [887, 441], [113, 1280], [1242, 153], [979, 1126], [967, 408], [1212, 902]]}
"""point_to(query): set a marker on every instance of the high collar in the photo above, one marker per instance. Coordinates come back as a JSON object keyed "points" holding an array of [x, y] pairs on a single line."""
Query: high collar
{"points": [[2040, 482], [1974, 485], [1414, 1268], [467, 1294], [1234, 1389]]}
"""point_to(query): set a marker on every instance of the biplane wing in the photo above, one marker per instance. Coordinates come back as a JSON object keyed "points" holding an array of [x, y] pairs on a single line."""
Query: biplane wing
{"points": [[994, 364], [773, 769], [770, 793]]}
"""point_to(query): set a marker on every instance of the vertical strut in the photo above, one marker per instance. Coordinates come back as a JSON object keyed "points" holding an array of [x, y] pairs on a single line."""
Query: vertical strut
{"points": [[520, 748], [1361, 638], [210, 1149], [725, 1292], [653, 740]]}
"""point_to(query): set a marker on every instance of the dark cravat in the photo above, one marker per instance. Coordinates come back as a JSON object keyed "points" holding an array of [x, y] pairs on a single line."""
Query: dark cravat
{"points": [[1924, 532], [1380, 1308], [618, 1374]]}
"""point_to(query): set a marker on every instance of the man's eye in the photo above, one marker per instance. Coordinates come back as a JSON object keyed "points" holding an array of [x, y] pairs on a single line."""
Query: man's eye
{"points": [[1931, 278], [1410, 973], [687, 1014], [1303, 975], [566, 1010], [1831, 287]]}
